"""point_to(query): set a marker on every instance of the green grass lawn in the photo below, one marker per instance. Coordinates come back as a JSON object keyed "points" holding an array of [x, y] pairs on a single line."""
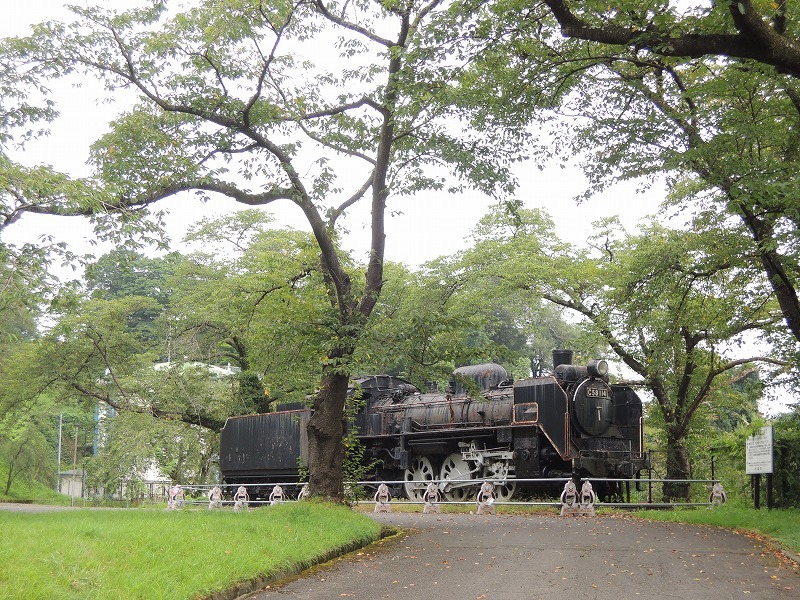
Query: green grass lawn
{"points": [[165, 554], [782, 526], [24, 490]]}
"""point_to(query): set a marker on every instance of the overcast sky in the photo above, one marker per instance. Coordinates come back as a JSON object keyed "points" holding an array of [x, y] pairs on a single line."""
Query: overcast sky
{"points": [[419, 228]]}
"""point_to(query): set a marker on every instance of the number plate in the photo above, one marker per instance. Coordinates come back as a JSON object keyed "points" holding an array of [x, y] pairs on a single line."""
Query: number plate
{"points": [[597, 393]]}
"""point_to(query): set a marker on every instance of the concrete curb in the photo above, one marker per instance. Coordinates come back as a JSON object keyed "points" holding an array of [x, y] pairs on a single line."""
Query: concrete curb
{"points": [[248, 587]]}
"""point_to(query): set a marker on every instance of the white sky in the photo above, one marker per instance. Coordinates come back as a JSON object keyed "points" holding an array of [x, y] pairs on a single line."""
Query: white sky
{"points": [[419, 228]]}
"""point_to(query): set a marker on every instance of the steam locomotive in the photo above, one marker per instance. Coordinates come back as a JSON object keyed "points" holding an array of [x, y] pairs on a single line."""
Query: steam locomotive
{"points": [[485, 426]]}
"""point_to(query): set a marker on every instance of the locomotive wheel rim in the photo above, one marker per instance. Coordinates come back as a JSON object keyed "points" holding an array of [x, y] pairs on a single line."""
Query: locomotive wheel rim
{"points": [[455, 467], [421, 470], [503, 492]]}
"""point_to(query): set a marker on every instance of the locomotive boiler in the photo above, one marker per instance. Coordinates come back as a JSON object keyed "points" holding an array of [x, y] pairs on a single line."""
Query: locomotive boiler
{"points": [[485, 426]]}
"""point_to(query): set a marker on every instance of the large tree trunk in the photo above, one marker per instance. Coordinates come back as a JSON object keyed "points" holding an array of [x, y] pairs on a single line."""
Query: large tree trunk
{"points": [[326, 430], [773, 262], [678, 467]]}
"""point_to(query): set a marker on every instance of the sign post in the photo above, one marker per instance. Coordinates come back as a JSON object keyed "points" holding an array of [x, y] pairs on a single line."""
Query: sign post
{"points": [[758, 460]]}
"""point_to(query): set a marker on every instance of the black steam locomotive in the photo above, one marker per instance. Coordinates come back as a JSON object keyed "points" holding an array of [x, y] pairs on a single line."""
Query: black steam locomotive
{"points": [[485, 426]]}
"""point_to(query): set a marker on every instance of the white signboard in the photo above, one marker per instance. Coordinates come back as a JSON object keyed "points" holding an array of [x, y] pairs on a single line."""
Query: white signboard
{"points": [[759, 452]]}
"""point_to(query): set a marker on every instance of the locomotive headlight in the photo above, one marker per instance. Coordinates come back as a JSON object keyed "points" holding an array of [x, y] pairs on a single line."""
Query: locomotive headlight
{"points": [[597, 368]]}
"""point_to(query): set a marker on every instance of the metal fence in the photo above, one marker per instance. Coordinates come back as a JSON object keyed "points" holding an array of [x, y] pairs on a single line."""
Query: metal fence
{"points": [[629, 493]]}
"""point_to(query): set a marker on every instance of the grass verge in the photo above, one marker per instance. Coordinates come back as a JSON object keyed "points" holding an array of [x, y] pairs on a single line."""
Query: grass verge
{"points": [[26, 491], [780, 526], [158, 554]]}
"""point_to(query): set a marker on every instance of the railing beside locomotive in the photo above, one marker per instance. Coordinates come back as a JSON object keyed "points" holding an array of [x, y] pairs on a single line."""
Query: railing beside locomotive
{"points": [[632, 493], [637, 493]]}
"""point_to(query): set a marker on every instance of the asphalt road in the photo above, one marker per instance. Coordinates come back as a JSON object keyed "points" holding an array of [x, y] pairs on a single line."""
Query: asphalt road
{"points": [[483, 557]]}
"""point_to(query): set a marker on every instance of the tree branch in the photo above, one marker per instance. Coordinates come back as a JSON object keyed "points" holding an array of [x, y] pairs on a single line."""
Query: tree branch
{"points": [[323, 10], [755, 39]]}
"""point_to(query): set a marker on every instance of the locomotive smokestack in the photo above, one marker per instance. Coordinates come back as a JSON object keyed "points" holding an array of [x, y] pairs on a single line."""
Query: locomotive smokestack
{"points": [[561, 357]]}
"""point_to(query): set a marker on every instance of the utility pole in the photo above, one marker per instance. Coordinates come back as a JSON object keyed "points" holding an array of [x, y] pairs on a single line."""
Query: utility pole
{"points": [[74, 469], [58, 476]]}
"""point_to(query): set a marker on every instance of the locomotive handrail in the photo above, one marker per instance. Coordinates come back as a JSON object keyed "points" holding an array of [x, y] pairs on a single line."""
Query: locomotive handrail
{"points": [[459, 424]]}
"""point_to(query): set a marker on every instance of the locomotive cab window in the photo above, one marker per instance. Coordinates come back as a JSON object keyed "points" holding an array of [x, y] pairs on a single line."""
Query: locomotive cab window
{"points": [[526, 413]]}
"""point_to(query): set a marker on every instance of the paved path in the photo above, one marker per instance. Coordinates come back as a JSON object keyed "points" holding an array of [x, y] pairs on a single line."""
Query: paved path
{"points": [[43, 508], [472, 557]]}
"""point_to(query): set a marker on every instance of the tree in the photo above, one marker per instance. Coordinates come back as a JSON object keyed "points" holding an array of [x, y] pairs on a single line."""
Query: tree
{"points": [[25, 450], [423, 328], [255, 297], [759, 31], [91, 354], [166, 415], [654, 90], [638, 108], [787, 458], [134, 443], [737, 405], [444, 316], [24, 284], [723, 133], [123, 273], [28, 419], [225, 109], [670, 304]]}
